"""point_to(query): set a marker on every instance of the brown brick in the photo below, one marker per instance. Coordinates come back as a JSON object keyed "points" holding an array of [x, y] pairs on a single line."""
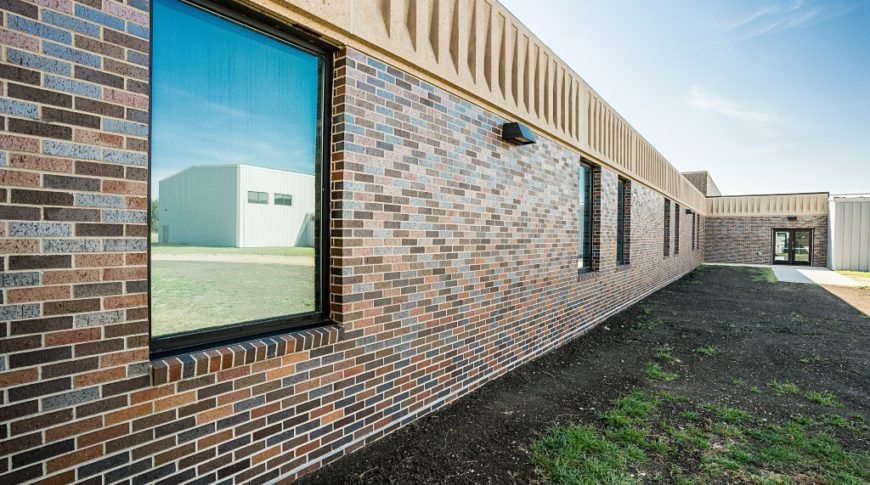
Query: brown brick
{"points": [[125, 40], [103, 435], [97, 47], [19, 144], [41, 197], [70, 117], [19, 246], [99, 107], [29, 93], [39, 325], [18, 377], [136, 173], [129, 413], [21, 8], [20, 74], [36, 162], [74, 428], [137, 144], [36, 128], [99, 260], [99, 77], [72, 337], [69, 368], [41, 421], [99, 230], [43, 293], [125, 188], [39, 262], [99, 169], [71, 306], [65, 214], [125, 69], [114, 274], [80, 455], [136, 230], [100, 347], [71, 276]]}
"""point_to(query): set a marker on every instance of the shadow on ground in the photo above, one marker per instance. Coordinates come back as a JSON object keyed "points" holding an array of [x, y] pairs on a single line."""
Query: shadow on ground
{"points": [[756, 333]]}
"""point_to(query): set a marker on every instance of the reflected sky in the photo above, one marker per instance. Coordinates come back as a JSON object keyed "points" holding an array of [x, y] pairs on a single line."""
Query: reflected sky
{"points": [[224, 94]]}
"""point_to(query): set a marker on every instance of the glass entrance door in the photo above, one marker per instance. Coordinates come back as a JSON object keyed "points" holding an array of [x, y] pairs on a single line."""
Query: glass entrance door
{"points": [[792, 246]]}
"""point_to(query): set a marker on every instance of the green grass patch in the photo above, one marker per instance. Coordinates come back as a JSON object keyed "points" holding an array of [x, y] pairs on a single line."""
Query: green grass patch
{"points": [[654, 371], [664, 353], [783, 388], [642, 433], [267, 251], [708, 350], [823, 398], [188, 295], [855, 274]]}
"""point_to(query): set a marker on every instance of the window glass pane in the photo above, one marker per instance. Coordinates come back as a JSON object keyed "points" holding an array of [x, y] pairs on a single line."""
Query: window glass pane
{"points": [[585, 216], [236, 117], [620, 222]]}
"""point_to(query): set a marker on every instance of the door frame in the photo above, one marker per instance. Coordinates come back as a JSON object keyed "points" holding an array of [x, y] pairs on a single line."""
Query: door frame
{"points": [[791, 239]]}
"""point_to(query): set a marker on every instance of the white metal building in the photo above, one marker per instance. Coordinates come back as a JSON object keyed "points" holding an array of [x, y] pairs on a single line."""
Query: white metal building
{"points": [[236, 206], [849, 229]]}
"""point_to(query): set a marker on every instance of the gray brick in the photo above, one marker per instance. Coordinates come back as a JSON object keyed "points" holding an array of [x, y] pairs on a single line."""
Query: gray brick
{"points": [[125, 216], [13, 280], [70, 398], [100, 200], [100, 318], [125, 158], [125, 245], [70, 246], [19, 312], [73, 150], [39, 229]]}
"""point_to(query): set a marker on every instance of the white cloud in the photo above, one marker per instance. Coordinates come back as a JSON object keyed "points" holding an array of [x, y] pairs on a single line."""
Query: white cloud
{"points": [[764, 121], [785, 16]]}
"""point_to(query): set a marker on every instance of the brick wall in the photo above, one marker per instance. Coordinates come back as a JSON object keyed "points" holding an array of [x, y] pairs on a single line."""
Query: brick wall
{"points": [[749, 240], [454, 261]]}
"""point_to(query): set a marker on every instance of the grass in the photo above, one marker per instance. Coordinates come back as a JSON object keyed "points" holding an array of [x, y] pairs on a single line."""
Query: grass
{"points": [[783, 388], [658, 438], [269, 251], [708, 350], [823, 398], [664, 353], [194, 295], [654, 371], [855, 274]]}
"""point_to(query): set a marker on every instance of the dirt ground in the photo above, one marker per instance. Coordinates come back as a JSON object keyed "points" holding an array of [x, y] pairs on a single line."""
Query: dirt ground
{"points": [[763, 332]]}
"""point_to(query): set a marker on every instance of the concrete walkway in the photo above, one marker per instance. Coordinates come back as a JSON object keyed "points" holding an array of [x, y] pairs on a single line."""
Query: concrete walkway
{"points": [[804, 274]]}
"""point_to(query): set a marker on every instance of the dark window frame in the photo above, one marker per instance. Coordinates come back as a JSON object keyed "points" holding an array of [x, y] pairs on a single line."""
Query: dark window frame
{"points": [[623, 221], [244, 331], [667, 234], [282, 198], [677, 217], [586, 246]]}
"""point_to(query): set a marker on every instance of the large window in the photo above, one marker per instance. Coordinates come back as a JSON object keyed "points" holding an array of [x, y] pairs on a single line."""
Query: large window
{"points": [[623, 203], [237, 115], [584, 259]]}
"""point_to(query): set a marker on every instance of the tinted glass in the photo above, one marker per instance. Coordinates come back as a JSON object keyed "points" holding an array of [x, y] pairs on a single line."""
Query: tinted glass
{"points": [[620, 222], [585, 216], [235, 118]]}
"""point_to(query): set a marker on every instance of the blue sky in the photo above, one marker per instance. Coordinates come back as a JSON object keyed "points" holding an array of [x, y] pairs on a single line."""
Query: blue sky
{"points": [[769, 96], [209, 107]]}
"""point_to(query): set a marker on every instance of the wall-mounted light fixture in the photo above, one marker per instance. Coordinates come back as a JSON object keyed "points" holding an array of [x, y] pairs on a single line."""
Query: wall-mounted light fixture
{"points": [[517, 133], [792, 218]]}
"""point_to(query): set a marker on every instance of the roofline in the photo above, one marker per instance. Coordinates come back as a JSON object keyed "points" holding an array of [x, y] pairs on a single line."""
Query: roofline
{"points": [[768, 195]]}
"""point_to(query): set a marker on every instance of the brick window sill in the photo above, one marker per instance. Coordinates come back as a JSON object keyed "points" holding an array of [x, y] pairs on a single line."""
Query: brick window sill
{"points": [[194, 364], [623, 267]]}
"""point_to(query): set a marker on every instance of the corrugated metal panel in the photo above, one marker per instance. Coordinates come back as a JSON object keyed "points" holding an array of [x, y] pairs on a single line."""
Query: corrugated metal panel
{"points": [[264, 225], [197, 206], [768, 205], [851, 234]]}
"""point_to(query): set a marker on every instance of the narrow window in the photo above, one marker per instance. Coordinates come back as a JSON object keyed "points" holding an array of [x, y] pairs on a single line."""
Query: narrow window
{"points": [[677, 217], [258, 197], [232, 97], [584, 259], [693, 231], [623, 218], [667, 235]]}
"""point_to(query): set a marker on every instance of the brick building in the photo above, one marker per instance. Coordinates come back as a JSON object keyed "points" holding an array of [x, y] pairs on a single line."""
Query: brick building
{"points": [[445, 255]]}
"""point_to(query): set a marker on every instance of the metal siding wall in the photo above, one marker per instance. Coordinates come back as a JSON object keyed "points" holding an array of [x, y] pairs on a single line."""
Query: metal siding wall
{"points": [[851, 234], [258, 222], [199, 207]]}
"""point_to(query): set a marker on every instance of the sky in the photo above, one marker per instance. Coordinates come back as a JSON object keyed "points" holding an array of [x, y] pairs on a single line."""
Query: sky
{"points": [[208, 106], [769, 96]]}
